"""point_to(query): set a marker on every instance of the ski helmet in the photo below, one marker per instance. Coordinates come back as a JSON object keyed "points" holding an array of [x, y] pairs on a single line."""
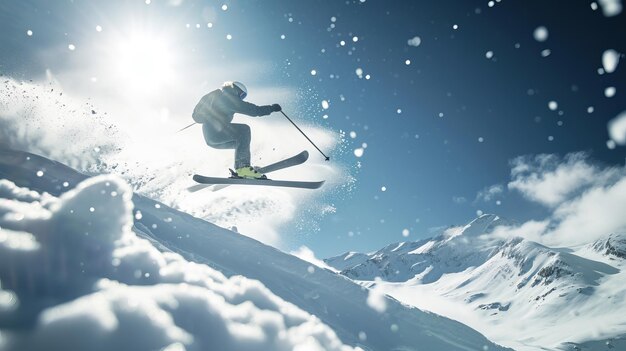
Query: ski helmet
{"points": [[242, 88]]}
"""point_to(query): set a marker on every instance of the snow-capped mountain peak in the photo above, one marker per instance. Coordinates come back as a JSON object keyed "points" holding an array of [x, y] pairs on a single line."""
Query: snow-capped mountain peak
{"points": [[614, 245], [493, 283]]}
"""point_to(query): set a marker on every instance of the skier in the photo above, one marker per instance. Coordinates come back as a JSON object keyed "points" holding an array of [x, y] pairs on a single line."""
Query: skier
{"points": [[216, 111]]}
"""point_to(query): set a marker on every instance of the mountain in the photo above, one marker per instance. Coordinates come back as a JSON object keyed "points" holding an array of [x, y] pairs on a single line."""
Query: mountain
{"points": [[86, 264], [517, 292]]}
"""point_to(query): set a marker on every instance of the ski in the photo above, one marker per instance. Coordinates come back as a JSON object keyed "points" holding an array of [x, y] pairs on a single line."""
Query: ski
{"points": [[265, 182], [288, 162], [282, 164]]}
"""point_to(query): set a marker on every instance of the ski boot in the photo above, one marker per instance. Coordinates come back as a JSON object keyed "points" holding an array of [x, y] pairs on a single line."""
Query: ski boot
{"points": [[247, 172]]}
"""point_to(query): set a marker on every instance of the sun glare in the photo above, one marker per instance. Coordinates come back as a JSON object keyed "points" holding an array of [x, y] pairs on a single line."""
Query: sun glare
{"points": [[143, 62]]}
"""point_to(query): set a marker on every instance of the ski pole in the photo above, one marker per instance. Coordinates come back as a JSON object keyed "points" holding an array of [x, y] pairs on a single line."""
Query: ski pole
{"points": [[307, 138], [186, 127]]}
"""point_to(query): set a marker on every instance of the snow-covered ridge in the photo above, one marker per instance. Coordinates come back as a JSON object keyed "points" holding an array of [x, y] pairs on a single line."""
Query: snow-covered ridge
{"points": [[85, 264], [425, 260], [497, 284], [614, 245]]}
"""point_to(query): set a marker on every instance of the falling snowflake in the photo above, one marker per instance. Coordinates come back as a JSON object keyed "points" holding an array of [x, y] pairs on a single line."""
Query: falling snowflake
{"points": [[415, 41], [553, 105], [610, 92], [541, 34], [610, 59]]}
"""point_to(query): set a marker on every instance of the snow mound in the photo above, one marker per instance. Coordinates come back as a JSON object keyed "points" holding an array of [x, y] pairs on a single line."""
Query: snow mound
{"points": [[74, 276]]}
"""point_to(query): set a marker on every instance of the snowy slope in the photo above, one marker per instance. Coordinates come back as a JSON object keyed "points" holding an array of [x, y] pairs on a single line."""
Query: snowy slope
{"points": [[86, 264], [517, 292]]}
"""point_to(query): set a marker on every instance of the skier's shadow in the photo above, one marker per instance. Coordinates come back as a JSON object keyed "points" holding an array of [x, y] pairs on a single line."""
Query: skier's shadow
{"points": [[198, 187]]}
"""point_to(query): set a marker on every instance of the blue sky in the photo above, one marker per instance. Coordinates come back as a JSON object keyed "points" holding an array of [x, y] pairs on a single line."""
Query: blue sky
{"points": [[442, 121]]}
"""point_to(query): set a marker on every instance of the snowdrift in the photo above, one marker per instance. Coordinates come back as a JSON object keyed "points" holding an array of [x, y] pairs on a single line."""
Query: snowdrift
{"points": [[85, 264]]}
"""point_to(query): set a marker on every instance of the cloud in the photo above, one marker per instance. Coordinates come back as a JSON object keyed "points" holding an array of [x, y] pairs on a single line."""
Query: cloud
{"points": [[550, 180], [490, 193], [587, 201]]}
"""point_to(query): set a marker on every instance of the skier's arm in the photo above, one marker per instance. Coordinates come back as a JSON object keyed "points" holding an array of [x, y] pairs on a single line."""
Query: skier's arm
{"points": [[253, 110]]}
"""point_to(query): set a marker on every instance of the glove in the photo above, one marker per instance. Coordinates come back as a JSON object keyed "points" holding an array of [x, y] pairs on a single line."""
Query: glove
{"points": [[276, 108]]}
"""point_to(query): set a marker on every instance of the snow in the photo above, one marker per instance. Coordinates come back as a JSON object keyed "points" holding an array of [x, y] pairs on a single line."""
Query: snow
{"points": [[376, 298], [306, 254], [540, 34], [611, 8], [489, 54], [171, 301], [610, 59], [617, 129], [415, 41], [610, 92], [172, 281], [553, 105]]}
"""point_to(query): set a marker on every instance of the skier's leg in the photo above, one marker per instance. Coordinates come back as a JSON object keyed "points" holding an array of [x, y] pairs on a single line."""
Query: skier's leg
{"points": [[223, 139], [232, 136], [242, 151]]}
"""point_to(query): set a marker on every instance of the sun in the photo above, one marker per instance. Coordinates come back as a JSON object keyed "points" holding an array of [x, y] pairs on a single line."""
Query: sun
{"points": [[144, 62]]}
